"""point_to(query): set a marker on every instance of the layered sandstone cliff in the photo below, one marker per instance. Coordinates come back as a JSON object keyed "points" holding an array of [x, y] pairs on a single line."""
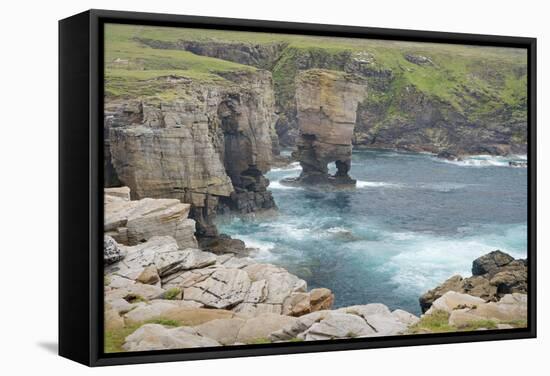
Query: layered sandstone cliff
{"points": [[326, 104], [199, 147]]}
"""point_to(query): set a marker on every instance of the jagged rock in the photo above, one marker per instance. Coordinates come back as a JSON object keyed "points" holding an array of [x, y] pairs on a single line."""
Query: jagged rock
{"points": [[297, 304], [148, 217], [476, 286], [171, 262], [321, 299], [280, 282], [262, 326], [111, 251], [326, 110], [225, 288], [157, 337], [495, 275], [135, 292], [141, 256], [157, 309], [223, 244], [490, 262], [511, 308], [149, 275], [452, 300], [206, 140], [224, 331], [405, 317]]}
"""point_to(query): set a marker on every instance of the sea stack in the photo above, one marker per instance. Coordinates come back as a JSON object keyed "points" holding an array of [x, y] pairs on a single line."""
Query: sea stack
{"points": [[326, 104]]}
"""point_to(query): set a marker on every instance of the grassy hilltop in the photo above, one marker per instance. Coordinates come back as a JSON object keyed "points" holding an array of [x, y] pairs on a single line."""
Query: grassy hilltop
{"points": [[467, 86]]}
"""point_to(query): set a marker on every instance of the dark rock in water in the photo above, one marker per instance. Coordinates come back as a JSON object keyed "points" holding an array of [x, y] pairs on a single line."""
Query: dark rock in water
{"points": [[250, 193], [517, 164], [111, 251], [223, 244], [490, 262], [445, 154], [494, 275]]}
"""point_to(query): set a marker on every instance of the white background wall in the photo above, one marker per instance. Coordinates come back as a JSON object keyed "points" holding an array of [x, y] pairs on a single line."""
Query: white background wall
{"points": [[28, 209]]}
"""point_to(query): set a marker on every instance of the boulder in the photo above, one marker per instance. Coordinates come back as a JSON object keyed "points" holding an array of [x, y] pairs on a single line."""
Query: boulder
{"points": [[224, 331], [112, 320], [297, 304], [157, 337], [495, 274], [149, 275], [452, 300], [338, 325], [490, 262], [511, 308], [321, 299], [260, 327], [133, 222], [111, 251]]}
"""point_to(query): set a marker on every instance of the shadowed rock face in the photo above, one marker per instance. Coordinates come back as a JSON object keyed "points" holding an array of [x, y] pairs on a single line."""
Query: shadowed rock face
{"points": [[327, 105]]}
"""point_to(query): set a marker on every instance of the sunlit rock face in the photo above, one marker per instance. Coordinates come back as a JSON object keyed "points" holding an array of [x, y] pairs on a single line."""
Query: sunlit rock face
{"points": [[197, 148], [327, 105]]}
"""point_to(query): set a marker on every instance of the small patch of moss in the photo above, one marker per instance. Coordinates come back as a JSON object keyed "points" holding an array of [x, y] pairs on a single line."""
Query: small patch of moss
{"points": [[295, 339], [114, 339], [516, 323], [172, 293], [106, 281], [258, 341], [436, 322]]}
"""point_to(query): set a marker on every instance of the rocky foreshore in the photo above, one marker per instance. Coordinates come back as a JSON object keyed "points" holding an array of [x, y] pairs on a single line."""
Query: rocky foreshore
{"points": [[163, 292]]}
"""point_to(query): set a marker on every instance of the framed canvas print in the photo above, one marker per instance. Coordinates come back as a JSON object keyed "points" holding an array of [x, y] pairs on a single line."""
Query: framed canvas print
{"points": [[240, 187]]}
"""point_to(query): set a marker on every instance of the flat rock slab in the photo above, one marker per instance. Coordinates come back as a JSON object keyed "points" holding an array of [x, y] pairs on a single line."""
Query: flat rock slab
{"points": [[157, 337], [225, 288], [157, 309], [260, 327], [225, 331]]}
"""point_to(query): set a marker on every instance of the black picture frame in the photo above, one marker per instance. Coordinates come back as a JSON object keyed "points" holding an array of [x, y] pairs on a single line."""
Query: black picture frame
{"points": [[81, 185]]}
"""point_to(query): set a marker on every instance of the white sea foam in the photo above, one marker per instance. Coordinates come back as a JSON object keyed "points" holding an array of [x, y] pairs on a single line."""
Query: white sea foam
{"points": [[425, 261], [276, 184], [294, 166], [483, 161], [375, 184], [263, 248]]}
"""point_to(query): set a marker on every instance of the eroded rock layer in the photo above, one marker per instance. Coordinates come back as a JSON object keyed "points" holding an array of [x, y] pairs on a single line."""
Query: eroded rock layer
{"points": [[327, 105], [198, 148]]}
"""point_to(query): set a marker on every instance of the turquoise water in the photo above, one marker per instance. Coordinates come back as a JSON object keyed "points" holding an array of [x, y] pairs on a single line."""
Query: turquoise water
{"points": [[412, 222]]}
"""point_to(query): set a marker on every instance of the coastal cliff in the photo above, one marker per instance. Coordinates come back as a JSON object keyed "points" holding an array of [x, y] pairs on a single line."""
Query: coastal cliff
{"points": [[204, 138], [422, 97]]}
